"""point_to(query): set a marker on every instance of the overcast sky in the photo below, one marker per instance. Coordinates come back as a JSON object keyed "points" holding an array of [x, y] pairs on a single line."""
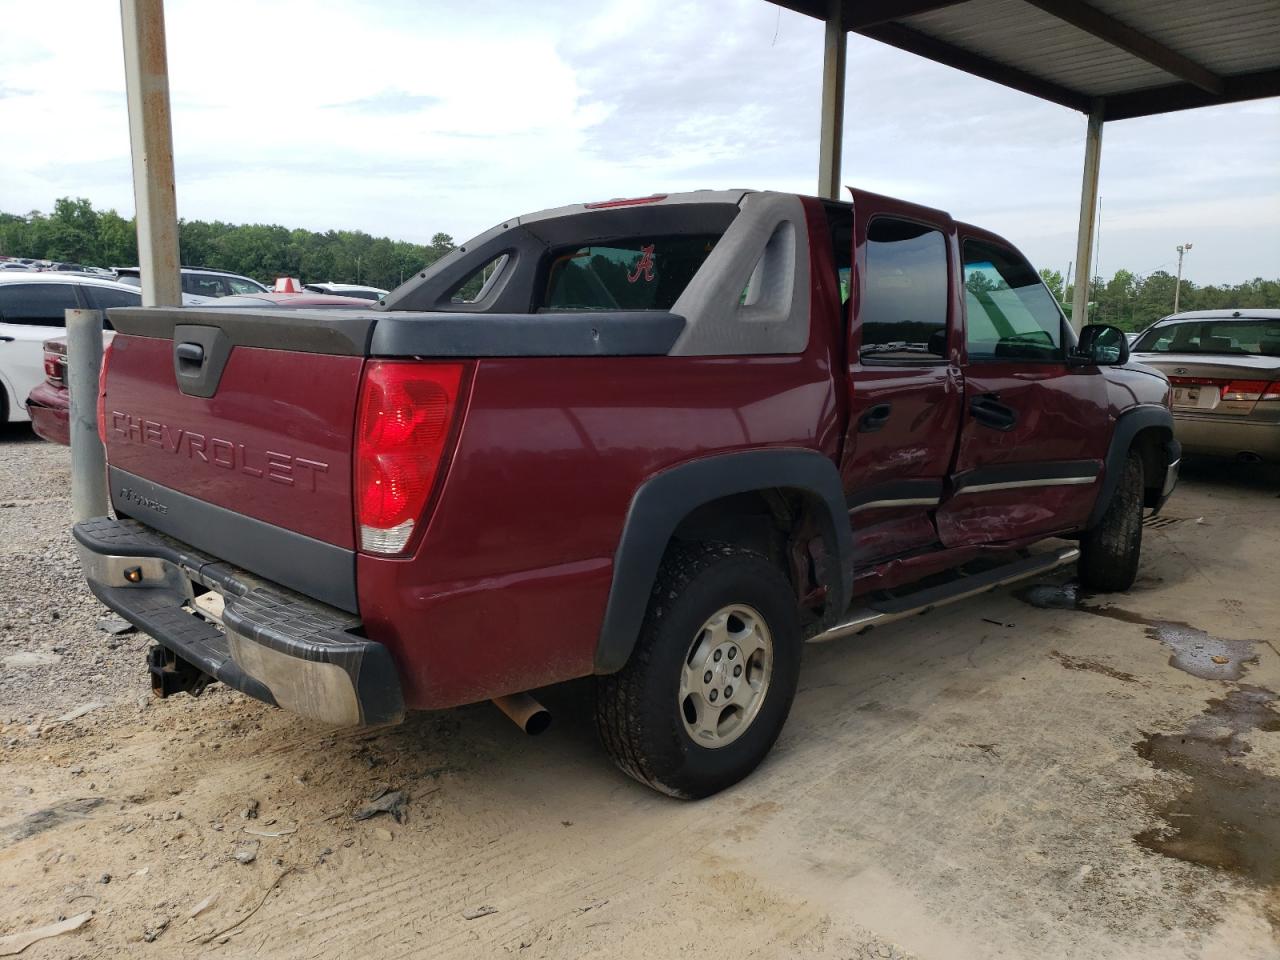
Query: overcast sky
{"points": [[406, 118]]}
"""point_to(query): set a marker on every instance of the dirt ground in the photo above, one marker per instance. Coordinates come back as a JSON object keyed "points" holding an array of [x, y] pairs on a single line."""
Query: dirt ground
{"points": [[1029, 774]]}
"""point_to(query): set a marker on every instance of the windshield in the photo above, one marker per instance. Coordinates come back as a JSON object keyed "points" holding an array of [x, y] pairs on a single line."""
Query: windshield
{"points": [[1242, 337]]}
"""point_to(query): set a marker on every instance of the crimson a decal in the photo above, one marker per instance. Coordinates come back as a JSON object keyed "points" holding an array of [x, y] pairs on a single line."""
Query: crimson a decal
{"points": [[220, 452], [644, 265]]}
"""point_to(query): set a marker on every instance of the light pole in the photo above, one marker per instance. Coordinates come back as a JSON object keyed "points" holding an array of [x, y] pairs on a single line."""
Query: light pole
{"points": [[1177, 288]]}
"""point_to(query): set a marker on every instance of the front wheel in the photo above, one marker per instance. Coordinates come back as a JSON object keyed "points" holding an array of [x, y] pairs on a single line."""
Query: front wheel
{"points": [[1109, 552], [711, 680]]}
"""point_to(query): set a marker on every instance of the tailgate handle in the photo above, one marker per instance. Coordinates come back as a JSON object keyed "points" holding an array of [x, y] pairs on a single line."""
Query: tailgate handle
{"points": [[190, 357]]}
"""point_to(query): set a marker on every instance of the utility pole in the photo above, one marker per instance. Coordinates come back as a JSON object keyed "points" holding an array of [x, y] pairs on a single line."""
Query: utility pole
{"points": [[146, 76], [1177, 289]]}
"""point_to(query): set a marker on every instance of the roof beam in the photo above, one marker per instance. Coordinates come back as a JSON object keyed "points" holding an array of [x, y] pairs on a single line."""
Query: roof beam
{"points": [[867, 13], [1184, 96], [912, 41], [1106, 28]]}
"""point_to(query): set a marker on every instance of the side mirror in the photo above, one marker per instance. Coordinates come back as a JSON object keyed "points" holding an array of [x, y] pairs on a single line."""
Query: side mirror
{"points": [[1101, 345]]}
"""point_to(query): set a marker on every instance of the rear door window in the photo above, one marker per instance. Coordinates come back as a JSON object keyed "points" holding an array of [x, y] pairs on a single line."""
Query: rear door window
{"points": [[1009, 314], [37, 304], [103, 298], [903, 306], [633, 273]]}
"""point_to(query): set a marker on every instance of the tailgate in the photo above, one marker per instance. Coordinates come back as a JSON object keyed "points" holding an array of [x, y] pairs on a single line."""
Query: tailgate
{"points": [[231, 431]]}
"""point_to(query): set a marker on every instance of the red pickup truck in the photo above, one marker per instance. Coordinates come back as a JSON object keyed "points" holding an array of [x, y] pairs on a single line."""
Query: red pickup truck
{"points": [[662, 441]]}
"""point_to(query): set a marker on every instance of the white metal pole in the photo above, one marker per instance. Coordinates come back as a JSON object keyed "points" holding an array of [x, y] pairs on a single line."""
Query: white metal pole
{"points": [[1177, 289], [146, 75], [88, 462], [832, 131], [1088, 215]]}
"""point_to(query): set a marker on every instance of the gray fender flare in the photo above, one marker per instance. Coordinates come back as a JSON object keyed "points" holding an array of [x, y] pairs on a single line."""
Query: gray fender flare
{"points": [[666, 498], [1128, 425]]}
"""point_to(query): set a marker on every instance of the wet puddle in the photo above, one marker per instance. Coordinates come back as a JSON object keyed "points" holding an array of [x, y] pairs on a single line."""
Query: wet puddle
{"points": [[1192, 650], [1225, 815], [1228, 816]]}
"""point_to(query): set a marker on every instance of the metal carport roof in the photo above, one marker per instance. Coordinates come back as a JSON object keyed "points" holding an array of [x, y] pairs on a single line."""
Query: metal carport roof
{"points": [[1111, 59], [1142, 56]]}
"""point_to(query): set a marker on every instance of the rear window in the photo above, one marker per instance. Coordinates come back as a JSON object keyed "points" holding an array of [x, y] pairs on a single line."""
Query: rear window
{"points": [[1223, 337], [630, 273]]}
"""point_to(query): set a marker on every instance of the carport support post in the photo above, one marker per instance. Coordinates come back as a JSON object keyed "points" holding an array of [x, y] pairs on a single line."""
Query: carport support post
{"points": [[1088, 215], [146, 81], [88, 463], [832, 131]]}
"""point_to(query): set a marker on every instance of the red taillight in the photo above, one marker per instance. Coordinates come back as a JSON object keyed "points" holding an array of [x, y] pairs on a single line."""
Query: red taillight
{"points": [[407, 410], [53, 368], [102, 392], [1245, 389]]}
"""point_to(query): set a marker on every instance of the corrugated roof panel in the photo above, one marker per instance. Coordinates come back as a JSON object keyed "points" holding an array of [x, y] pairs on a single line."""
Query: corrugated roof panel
{"points": [[1019, 35], [1225, 36]]}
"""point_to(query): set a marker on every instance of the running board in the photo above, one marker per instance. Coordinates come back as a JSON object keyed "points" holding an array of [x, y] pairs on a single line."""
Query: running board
{"points": [[880, 612]]}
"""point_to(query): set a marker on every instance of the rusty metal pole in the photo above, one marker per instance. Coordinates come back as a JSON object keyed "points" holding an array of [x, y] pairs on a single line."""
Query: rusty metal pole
{"points": [[88, 462], [146, 75], [1088, 216], [831, 133]]}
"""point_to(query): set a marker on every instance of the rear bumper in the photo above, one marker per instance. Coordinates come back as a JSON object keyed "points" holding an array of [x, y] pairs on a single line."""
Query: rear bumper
{"points": [[274, 645], [1228, 436], [48, 407]]}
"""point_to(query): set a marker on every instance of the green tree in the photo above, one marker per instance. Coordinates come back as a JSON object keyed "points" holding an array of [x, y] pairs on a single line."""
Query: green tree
{"points": [[1053, 280]]}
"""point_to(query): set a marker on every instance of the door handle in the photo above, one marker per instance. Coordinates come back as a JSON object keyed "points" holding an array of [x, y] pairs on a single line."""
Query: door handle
{"points": [[990, 412], [875, 418], [7, 339], [190, 357]]}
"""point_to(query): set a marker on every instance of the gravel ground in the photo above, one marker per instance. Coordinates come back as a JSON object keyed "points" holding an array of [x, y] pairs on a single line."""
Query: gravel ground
{"points": [[1032, 773], [53, 656]]}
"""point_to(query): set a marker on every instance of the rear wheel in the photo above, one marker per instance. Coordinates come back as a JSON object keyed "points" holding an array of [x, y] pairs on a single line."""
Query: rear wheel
{"points": [[711, 680], [1109, 552]]}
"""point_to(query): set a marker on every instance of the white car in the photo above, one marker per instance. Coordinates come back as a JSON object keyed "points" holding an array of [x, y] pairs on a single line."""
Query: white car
{"points": [[32, 309], [347, 290]]}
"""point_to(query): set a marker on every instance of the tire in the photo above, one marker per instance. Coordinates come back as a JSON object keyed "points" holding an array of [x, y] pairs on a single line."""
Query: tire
{"points": [[712, 602], [1109, 552]]}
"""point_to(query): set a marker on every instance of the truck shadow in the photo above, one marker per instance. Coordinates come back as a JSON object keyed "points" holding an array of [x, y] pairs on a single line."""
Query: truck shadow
{"points": [[1230, 473], [18, 433]]}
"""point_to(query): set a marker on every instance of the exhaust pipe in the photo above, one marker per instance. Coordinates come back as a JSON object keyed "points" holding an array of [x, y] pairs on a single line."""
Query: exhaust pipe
{"points": [[525, 712]]}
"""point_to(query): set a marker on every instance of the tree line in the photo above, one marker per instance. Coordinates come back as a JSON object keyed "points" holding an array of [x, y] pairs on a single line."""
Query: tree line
{"points": [[1132, 302], [75, 232]]}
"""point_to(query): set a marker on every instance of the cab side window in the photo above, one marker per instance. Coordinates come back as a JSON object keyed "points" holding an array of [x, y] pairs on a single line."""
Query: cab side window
{"points": [[1009, 314], [903, 304]]}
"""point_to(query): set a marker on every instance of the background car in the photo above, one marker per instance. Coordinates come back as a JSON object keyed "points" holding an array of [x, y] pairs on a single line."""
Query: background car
{"points": [[1224, 366], [49, 403], [348, 290], [200, 281], [33, 308]]}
